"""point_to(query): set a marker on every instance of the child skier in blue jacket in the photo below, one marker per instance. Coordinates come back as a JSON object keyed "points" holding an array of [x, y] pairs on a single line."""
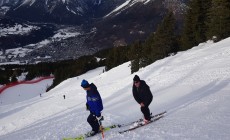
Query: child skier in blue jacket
{"points": [[94, 105]]}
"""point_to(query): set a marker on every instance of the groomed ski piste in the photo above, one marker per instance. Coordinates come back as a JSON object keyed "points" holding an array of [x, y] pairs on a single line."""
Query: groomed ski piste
{"points": [[192, 86]]}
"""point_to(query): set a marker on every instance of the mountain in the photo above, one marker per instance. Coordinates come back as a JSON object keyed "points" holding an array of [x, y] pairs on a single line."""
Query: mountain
{"points": [[17, 33], [98, 24], [135, 20], [79, 11], [5, 5], [192, 86], [8, 2], [62, 11]]}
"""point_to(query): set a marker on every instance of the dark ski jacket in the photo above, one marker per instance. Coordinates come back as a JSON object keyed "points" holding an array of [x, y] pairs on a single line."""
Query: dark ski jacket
{"points": [[94, 100], [142, 94]]}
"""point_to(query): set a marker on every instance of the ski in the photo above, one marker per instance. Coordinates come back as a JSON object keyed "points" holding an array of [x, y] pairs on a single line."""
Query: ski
{"points": [[140, 120], [84, 136], [140, 124]]}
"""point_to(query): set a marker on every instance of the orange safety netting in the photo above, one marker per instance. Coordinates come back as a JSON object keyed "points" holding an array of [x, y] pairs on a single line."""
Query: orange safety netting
{"points": [[23, 82]]}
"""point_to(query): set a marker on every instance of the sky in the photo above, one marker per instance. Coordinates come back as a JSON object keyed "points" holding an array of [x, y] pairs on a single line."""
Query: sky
{"points": [[192, 86]]}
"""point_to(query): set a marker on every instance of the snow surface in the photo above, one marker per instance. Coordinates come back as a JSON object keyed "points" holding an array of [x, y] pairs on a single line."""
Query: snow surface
{"points": [[192, 86], [23, 92]]}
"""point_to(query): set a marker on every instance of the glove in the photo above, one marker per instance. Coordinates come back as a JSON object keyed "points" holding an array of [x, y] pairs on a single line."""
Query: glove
{"points": [[87, 106], [101, 118]]}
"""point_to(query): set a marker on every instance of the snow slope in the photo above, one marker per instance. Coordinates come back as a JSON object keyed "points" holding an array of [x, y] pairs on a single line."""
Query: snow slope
{"points": [[193, 86], [13, 92]]}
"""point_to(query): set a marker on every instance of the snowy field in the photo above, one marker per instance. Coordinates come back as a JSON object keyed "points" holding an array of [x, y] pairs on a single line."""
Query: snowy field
{"points": [[192, 86]]}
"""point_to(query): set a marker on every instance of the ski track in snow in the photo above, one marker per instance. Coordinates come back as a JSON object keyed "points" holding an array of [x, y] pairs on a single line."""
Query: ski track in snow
{"points": [[193, 86]]}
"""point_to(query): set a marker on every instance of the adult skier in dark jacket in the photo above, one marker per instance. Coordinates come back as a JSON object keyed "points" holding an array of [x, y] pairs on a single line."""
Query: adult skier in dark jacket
{"points": [[143, 96], [94, 105]]}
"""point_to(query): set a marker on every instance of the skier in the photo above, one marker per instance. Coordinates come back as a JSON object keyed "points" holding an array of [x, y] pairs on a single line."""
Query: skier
{"points": [[94, 105], [143, 96]]}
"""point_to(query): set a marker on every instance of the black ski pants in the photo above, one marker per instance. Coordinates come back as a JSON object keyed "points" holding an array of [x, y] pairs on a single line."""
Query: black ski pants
{"points": [[92, 120], [145, 110]]}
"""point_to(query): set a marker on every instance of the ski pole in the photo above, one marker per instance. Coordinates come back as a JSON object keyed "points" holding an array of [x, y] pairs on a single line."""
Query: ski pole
{"points": [[101, 127], [102, 132]]}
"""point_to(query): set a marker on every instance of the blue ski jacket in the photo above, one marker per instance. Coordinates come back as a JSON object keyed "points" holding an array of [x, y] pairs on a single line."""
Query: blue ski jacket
{"points": [[94, 100]]}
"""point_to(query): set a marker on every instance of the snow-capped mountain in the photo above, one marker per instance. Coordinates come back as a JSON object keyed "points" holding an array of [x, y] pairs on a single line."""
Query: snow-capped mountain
{"points": [[62, 11], [177, 6], [79, 11], [135, 20], [5, 5], [103, 24], [8, 2]]}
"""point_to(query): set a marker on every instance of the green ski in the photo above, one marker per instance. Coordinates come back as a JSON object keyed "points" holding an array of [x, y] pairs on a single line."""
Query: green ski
{"points": [[83, 136]]}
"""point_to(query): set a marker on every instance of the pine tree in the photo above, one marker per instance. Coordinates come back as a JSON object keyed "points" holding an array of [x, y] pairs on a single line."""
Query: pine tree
{"points": [[14, 79], [116, 56], [200, 11], [219, 19], [4, 79], [164, 38], [146, 54], [195, 27], [109, 60], [135, 65], [135, 55], [188, 37]]}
